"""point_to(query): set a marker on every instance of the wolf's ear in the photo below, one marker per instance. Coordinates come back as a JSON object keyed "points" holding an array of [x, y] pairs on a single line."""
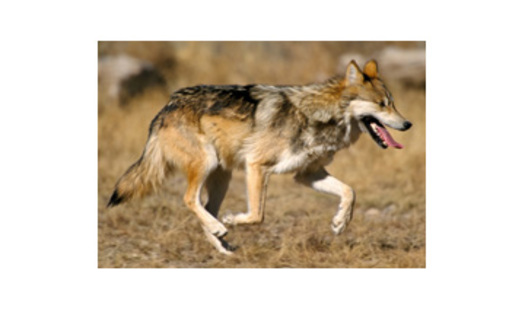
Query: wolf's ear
{"points": [[353, 73], [371, 69]]}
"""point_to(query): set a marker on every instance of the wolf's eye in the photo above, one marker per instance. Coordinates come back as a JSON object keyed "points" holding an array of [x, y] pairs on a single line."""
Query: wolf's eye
{"points": [[382, 104]]}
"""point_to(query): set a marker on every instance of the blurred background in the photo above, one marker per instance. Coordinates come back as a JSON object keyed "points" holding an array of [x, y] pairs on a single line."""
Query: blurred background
{"points": [[135, 80]]}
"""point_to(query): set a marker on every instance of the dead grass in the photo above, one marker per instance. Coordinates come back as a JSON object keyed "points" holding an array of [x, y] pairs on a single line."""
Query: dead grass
{"points": [[159, 231]]}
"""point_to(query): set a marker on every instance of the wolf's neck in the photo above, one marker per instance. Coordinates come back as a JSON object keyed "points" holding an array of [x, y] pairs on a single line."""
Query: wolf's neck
{"points": [[320, 101]]}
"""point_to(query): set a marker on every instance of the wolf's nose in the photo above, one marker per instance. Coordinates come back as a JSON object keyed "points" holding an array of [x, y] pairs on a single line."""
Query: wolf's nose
{"points": [[407, 125]]}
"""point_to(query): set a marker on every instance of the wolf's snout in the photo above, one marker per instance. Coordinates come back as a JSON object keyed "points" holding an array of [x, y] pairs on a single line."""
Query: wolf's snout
{"points": [[406, 125]]}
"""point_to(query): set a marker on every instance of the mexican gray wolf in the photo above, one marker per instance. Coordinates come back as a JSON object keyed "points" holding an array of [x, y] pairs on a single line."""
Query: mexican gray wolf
{"points": [[207, 131]]}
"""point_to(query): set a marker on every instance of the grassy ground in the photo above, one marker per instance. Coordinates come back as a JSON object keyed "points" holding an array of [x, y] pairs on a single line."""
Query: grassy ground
{"points": [[388, 229]]}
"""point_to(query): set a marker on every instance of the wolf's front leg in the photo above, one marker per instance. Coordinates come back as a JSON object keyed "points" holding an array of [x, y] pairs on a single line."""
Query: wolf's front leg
{"points": [[219, 243], [320, 180], [256, 181]]}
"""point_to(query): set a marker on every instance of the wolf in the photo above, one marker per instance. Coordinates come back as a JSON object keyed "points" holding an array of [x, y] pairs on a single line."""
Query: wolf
{"points": [[207, 131]]}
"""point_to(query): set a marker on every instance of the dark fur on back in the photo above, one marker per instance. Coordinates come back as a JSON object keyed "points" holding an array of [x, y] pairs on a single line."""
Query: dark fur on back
{"points": [[230, 101]]}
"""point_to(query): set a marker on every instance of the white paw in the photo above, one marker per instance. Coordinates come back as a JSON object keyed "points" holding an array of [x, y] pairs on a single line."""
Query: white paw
{"points": [[217, 229], [241, 218], [222, 246], [228, 218], [231, 218], [225, 252], [219, 243], [339, 223], [338, 228]]}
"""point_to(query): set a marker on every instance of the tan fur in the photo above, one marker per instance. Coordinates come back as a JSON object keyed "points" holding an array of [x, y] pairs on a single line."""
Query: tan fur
{"points": [[371, 69], [206, 131], [228, 137], [145, 174]]}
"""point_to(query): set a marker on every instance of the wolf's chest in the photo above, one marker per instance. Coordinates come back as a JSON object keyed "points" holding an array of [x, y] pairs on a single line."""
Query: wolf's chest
{"points": [[316, 147], [290, 161]]}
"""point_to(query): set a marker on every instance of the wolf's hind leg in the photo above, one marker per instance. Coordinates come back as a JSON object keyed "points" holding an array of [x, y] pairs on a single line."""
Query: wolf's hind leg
{"points": [[256, 181], [217, 184], [196, 178], [322, 181]]}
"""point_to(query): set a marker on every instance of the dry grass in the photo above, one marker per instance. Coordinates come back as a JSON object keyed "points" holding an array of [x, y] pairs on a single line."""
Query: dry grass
{"points": [[159, 231]]}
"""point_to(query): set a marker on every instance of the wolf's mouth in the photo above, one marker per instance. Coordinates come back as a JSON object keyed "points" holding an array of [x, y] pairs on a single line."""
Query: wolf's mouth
{"points": [[379, 133]]}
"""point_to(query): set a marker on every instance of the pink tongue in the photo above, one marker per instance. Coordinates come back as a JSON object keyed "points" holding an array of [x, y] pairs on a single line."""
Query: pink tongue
{"points": [[388, 138]]}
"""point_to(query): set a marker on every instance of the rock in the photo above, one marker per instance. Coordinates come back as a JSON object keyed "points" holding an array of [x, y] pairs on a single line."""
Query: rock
{"points": [[372, 213], [121, 77], [389, 209]]}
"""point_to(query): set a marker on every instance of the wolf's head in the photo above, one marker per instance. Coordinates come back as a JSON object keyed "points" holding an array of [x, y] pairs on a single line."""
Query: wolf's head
{"points": [[372, 105]]}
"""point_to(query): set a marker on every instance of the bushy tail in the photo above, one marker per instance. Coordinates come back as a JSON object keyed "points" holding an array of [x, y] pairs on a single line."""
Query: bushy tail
{"points": [[143, 176]]}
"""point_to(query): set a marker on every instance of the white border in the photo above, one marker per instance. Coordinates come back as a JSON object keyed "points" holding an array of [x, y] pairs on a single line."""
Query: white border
{"points": [[474, 213]]}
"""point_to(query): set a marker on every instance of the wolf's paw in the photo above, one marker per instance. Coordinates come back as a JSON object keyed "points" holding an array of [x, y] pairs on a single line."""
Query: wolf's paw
{"points": [[222, 246], [339, 224], [229, 218], [241, 218], [217, 229], [338, 228], [234, 218], [340, 221], [226, 248], [219, 243]]}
